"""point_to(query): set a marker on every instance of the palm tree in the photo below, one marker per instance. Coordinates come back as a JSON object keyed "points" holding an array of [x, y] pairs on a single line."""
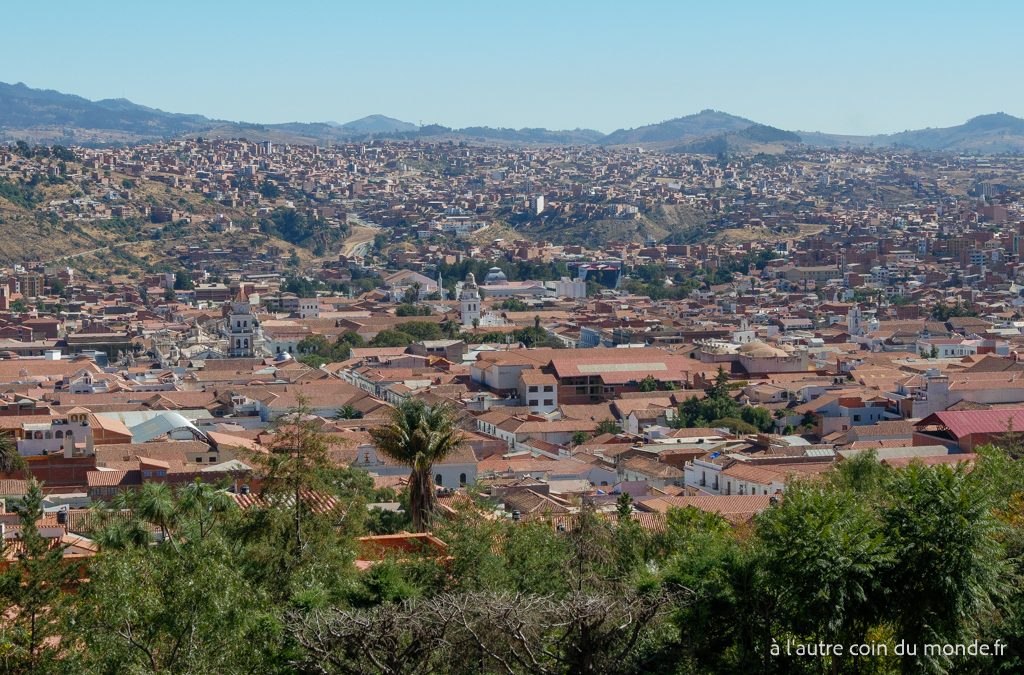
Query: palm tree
{"points": [[419, 436], [10, 460], [204, 504], [348, 412], [155, 504], [117, 533], [449, 327]]}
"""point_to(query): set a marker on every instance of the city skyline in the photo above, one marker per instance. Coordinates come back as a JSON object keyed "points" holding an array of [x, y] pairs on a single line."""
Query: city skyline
{"points": [[598, 66]]}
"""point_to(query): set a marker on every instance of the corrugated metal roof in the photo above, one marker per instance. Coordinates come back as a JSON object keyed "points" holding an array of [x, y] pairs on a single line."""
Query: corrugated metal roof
{"points": [[162, 424]]}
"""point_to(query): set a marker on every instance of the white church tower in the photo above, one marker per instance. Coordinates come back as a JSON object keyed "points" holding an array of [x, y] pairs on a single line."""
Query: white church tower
{"points": [[469, 300], [854, 320], [242, 328]]}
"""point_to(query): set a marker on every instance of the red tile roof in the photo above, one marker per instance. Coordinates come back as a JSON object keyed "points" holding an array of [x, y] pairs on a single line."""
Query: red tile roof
{"points": [[965, 422]]}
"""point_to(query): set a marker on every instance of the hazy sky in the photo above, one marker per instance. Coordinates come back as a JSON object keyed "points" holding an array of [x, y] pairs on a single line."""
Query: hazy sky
{"points": [[851, 67]]}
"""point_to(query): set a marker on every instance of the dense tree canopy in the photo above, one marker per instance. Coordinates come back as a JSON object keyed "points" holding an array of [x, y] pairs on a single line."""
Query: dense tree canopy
{"points": [[190, 582]]}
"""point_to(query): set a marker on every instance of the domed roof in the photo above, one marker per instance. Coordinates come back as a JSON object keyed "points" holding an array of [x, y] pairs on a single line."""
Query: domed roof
{"points": [[760, 350], [495, 276]]}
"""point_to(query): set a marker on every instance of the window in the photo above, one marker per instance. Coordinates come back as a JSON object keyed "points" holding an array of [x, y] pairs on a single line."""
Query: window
{"points": [[462, 479], [856, 418], [533, 402], [533, 389], [438, 479], [548, 387], [548, 401], [147, 474]]}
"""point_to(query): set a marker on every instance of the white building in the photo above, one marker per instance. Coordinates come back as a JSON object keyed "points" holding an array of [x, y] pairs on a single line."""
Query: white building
{"points": [[309, 308]]}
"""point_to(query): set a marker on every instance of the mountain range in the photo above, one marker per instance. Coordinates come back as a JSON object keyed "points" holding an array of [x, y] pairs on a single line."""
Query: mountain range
{"points": [[47, 116]]}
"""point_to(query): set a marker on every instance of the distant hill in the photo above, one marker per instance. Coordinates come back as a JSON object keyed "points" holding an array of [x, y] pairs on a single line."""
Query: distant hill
{"points": [[753, 139], [705, 124], [526, 135], [376, 124], [46, 116], [995, 133]]}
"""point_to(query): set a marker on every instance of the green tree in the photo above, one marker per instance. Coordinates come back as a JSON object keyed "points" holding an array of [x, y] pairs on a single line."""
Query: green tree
{"points": [[720, 388], [345, 342], [729, 625], [183, 281], [155, 504], [409, 309], [513, 305], [185, 609], [11, 462], [421, 330], [449, 328], [294, 468], [649, 383], [412, 294], [759, 417], [270, 190], [392, 338], [607, 426], [624, 506], [862, 473], [733, 424], [31, 589], [948, 569], [314, 344], [348, 412], [836, 535], [202, 508], [419, 436]]}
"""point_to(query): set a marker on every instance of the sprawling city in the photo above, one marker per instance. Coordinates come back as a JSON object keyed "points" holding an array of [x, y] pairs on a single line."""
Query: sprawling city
{"points": [[700, 396]]}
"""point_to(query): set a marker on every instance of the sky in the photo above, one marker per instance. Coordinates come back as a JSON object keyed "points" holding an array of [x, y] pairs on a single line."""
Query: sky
{"points": [[844, 67]]}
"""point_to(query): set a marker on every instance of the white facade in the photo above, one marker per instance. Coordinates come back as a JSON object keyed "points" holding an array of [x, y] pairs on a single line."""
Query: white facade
{"points": [[242, 330], [309, 308], [469, 301], [566, 288]]}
